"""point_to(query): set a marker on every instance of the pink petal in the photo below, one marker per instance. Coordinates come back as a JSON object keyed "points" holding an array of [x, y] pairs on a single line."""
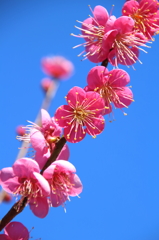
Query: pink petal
{"points": [[57, 199], [110, 23], [37, 140], [118, 78], [125, 97], [76, 94], [41, 157], [130, 7], [94, 102], [64, 166], [74, 133], [64, 115], [87, 25], [94, 78], [58, 130], [42, 183], [101, 15], [40, 207], [45, 118], [9, 181], [4, 237], [24, 167], [48, 173], [77, 185], [96, 126], [64, 154], [109, 39], [16, 230], [97, 54], [151, 5], [124, 24]]}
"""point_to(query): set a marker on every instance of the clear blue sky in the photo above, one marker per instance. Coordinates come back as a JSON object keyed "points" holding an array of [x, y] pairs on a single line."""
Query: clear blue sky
{"points": [[120, 168]]}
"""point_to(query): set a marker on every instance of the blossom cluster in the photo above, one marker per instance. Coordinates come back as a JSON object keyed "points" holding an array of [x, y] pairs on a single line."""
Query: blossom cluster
{"points": [[107, 39]]}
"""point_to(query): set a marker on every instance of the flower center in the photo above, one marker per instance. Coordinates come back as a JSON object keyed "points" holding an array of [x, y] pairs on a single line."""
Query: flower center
{"points": [[28, 189], [80, 114]]}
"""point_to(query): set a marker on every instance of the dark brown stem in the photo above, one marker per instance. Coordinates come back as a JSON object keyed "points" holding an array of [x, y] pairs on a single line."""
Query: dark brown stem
{"points": [[14, 211], [105, 63], [20, 205]]}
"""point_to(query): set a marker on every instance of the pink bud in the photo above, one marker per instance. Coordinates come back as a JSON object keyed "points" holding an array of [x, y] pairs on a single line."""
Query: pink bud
{"points": [[7, 197], [46, 83], [57, 67], [20, 130]]}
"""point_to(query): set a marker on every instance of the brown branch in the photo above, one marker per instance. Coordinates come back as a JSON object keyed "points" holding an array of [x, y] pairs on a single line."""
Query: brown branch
{"points": [[105, 63], [13, 212], [20, 205]]}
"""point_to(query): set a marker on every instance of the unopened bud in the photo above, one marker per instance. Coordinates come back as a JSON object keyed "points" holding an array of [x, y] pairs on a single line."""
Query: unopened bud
{"points": [[20, 130], [46, 83]]}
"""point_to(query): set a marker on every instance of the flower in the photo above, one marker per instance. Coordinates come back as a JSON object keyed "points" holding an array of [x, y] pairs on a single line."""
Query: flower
{"points": [[24, 179], [124, 43], [145, 14], [63, 182], [15, 231], [46, 84], [82, 114], [111, 86], [44, 138], [20, 130], [93, 30], [57, 67]]}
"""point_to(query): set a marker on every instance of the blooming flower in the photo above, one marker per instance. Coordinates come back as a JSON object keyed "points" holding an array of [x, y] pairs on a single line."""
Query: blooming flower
{"points": [[145, 14], [110, 38], [63, 182], [43, 139], [15, 231], [124, 43], [57, 67], [82, 114], [93, 30], [24, 179], [111, 85]]}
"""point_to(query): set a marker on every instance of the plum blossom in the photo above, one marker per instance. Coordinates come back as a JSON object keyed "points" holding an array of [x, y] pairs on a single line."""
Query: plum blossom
{"points": [[43, 139], [57, 67], [82, 114], [63, 182], [112, 87], [110, 38], [93, 30], [145, 14], [24, 179], [15, 231], [124, 43]]}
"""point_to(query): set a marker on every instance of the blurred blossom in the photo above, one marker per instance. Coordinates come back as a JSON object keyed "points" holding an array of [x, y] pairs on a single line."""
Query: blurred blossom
{"points": [[20, 130], [57, 67], [5, 197], [46, 83]]}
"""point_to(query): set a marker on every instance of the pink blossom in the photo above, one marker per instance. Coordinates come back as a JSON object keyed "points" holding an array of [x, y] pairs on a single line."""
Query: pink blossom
{"points": [[145, 14], [15, 231], [24, 179], [124, 43], [43, 139], [46, 83], [111, 85], [57, 67], [20, 130], [93, 30], [82, 114], [63, 182]]}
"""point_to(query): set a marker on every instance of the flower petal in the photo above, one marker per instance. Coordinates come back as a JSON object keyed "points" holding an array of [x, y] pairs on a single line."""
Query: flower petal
{"points": [[37, 140], [58, 198], [42, 183], [94, 78], [76, 94], [130, 7], [24, 167], [64, 154], [16, 230], [40, 207], [96, 126], [124, 24], [64, 166], [101, 15], [77, 185], [125, 97], [118, 78], [74, 133]]}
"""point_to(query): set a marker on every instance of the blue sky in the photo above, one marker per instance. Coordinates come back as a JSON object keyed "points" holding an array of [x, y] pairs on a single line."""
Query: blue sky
{"points": [[120, 168]]}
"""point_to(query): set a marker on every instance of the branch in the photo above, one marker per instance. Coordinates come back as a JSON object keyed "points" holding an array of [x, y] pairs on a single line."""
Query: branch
{"points": [[20, 205]]}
